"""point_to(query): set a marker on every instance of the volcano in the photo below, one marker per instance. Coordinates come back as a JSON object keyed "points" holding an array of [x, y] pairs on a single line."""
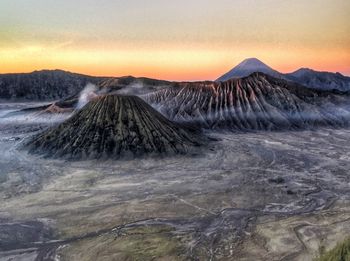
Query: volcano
{"points": [[114, 126], [247, 67]]}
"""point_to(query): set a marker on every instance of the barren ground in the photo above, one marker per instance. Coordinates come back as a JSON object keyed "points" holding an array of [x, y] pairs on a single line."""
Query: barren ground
{"points": [[247, 196]]}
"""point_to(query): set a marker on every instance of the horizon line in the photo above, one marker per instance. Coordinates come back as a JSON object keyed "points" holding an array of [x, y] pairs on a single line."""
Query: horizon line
{"points": [[155, 78]]}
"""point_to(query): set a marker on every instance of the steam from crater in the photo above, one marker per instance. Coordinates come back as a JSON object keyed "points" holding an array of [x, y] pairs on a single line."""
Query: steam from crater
{"points": [[136, 88], [86, 95]]}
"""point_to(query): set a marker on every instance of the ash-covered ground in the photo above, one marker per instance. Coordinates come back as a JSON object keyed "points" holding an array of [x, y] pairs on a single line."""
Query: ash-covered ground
{"points": [[247, 196]]}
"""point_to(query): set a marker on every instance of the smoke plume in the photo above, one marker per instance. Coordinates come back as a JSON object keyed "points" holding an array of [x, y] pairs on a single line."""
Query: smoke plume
{"points": [[86, 95]]}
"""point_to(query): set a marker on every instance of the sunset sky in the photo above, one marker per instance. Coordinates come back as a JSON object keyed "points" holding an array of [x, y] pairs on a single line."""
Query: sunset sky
{"points": [[174, 40]]}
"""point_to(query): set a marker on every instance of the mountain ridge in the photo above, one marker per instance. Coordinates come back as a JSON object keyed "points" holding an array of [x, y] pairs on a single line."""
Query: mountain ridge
{"points": [[43, 85], [255, 102], [50, 85], [304, 76]]}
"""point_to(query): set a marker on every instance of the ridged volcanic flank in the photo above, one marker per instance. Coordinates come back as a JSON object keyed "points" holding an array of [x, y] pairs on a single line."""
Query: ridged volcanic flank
{"points": [[113, 126], [257, 102]]}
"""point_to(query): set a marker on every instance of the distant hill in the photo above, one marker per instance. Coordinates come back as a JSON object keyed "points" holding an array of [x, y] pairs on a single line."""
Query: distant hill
{"points": [[304, 76], [320, 80], [43, 85]]}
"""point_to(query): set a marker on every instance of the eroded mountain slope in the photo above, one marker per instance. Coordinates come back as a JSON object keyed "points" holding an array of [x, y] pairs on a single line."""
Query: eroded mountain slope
{"points": [[114, 126], [254, 102]]}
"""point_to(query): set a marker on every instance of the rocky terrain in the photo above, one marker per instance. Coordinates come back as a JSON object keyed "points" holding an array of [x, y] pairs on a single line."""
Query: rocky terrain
{"points": [[256, 102], [112, 126]]}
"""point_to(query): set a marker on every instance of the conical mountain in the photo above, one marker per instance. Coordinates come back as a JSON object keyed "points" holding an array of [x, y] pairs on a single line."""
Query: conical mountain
{"points": [[248, 67], [112, 127]]}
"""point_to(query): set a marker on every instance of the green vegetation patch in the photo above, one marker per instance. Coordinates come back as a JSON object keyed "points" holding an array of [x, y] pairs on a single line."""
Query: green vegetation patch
{"points": [[340, 253]]}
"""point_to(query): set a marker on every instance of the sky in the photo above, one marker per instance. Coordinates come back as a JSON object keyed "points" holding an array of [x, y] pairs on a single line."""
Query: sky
{"points": [[173, 40]]}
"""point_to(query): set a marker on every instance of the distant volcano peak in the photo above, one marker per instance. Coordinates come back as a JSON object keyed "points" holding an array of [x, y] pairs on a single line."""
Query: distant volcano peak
{"points": [[252, 62], [247, 67]]}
